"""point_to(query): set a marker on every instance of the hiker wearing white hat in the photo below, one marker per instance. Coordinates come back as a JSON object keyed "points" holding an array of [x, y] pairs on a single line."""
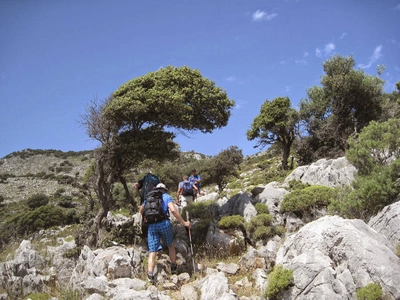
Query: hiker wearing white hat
{"points": [[155, 209]]}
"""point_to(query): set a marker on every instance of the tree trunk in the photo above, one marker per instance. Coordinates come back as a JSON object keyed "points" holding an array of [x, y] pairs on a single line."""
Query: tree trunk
{"points": [[131, 200]]}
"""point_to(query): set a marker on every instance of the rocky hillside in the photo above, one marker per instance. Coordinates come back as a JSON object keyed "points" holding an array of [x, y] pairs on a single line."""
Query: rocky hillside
{"points": [[40, 171], [298, 256]]}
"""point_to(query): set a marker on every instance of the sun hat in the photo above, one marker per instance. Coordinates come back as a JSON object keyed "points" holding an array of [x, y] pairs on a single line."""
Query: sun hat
{"points": [[161, 186]]}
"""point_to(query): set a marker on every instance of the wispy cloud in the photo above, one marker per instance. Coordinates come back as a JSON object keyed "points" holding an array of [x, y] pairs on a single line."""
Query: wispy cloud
{"points": [[300, 61], [287, 88], [230, 78], [397, 7], [263, 16], [377, 54], [394, 42], [343, 36], [327, 50], [305, 54]]}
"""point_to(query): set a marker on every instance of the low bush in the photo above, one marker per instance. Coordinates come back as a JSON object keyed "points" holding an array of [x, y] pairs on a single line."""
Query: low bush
{"points": [[302, 201], [37, 200], [372, 291], [259, 227], [233, 222], [278, 280], [261, 208]]}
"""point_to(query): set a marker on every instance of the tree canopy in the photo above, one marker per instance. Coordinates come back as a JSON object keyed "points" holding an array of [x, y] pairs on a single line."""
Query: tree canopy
{"points": [[345, 103], [276, 123], [140, 119]]}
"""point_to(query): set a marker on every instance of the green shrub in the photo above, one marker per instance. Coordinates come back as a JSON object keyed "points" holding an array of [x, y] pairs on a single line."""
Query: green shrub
{"points": [[38, 296], [234, 221], [372, 291], [278, 280], [297, 185], [259, 227], [261, 208], [302, 201], [37, 200], [398, 250], [262, 232], [369, 193], [197, 210]]}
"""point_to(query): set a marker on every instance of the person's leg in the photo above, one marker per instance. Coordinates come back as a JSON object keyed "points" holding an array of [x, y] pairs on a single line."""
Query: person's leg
{"points": [[152, 263], [168, 237]]}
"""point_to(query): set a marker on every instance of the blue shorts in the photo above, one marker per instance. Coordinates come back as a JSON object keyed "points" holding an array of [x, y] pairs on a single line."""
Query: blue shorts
{"points": [[158, 231]]}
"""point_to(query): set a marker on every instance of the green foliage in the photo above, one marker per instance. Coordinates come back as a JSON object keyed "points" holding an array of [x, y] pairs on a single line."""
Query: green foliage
{"points": [[376, 146], [38, 296], [276, 124], [259, 227], [376, 156], [297, 185], [398, 250], [278, 280], [197, 210], [222, 167], [261, 208], [231, 222], [371, 291], [1, 199], [303, 201], [369, 193], [37, 200], [345, 103]]}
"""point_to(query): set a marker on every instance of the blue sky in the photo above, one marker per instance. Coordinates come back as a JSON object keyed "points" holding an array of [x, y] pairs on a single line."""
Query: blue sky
{"points": [[57, 56]]}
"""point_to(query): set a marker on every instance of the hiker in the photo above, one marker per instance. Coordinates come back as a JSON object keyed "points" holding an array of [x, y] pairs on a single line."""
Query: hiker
{"points": [[160, 226], [186, 192], [146, 185], [195, 180]]}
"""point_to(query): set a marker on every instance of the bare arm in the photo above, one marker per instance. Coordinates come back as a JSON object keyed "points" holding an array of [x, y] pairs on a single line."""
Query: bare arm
{"points": [[177, 215]]}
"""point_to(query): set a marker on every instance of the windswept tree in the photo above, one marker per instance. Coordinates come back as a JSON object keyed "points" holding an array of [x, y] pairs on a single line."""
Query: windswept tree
{"points": [[345, 103], [140, 120], [276, 124], [222, 167]]}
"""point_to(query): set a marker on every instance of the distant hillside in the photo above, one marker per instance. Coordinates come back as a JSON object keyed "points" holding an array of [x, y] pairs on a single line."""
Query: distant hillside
{"points": [[30, 171]]}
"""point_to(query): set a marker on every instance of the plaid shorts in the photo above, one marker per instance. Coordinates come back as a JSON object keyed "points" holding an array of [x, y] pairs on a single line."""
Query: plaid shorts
{"points": [[158, 231]]}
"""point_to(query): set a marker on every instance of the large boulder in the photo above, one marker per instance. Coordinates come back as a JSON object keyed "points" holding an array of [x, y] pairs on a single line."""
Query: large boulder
{"points": [[328, 172], [333, 257], [240, 204], [387, 223]]}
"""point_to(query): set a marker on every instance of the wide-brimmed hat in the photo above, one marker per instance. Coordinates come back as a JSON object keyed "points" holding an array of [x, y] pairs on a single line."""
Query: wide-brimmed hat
{"points": [[161, 186]]}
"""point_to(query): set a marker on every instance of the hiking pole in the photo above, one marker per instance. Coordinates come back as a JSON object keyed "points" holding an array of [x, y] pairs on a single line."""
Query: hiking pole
{"points": [[191, 246]]}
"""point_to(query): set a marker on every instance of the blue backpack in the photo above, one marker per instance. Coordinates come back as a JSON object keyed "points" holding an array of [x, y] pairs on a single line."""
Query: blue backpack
{"points": [[150, 182], [187, 189]]}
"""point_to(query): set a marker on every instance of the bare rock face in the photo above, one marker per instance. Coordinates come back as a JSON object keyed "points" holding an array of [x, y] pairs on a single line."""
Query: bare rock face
{"points": [[328, 172], [387, 223], [333, 257]]}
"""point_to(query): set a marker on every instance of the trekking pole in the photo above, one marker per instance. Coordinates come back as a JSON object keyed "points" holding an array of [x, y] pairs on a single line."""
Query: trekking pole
{"points": [[191, 246]]}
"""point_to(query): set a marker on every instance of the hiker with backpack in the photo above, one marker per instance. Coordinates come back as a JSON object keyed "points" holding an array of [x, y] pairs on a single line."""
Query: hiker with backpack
{"points": [[155, 210], [145, 185], [186, 192], [195, 180]]}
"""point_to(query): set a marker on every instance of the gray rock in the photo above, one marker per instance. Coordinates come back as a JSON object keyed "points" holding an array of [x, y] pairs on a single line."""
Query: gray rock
{"points": [[387, 223], [333, 257], [328, 172]]}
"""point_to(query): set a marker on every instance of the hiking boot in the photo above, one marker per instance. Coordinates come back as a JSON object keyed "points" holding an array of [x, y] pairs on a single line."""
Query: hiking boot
{"points": [[151, 279], [174, 269]]}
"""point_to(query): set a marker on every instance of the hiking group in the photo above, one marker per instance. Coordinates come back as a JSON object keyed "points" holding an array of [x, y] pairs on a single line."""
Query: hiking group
{"points": [[155, 207]]}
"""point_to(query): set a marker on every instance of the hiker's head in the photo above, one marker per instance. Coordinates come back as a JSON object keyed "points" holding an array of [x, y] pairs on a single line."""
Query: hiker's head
{"points": [[162, 187], [194, 172], [185, 178]]}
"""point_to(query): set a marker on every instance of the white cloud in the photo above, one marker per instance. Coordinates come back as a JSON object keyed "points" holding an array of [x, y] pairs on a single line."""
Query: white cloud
{"points": [[305, 54], [327, 50], [230, 78], [343, 35], [318, 52], [375, 56], [287, 88], [394, 42], [262, 15]]}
